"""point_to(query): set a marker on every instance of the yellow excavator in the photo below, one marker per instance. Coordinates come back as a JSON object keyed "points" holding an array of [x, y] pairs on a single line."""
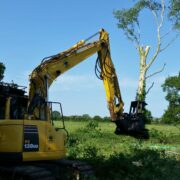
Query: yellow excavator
{"points": [[27, 131]]}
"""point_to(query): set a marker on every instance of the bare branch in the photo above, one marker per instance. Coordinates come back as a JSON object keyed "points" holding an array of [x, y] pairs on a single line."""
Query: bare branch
{"points": [[157, 72], [158, 36], [147, 50], [156, 53], [138, 35], [163, 36], [162, 13], [170, 42], [155, 16], [150, 88]]}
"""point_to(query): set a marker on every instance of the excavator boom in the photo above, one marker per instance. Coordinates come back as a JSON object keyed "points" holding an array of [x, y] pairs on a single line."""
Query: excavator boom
{"points": [[50, 68]]}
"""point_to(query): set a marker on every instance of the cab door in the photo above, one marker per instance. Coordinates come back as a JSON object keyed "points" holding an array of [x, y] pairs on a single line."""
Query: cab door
{"points": [[55, 129]]}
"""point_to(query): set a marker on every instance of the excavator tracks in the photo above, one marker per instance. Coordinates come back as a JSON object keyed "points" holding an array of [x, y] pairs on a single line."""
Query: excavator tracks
{"points": [[48, 170], [75, 169], [24, 172]]}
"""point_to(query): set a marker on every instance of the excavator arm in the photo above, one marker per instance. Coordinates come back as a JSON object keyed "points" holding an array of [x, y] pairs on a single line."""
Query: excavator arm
{"points": [[42, 77], [52, 67]]}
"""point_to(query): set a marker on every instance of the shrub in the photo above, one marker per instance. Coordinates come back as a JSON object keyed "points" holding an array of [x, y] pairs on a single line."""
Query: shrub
{"points": [[97, 118], [92, 124]]}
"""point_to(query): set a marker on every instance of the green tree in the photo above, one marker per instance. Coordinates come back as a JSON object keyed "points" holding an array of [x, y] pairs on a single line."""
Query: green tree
{"points": [[86, 117], [97, 118], [2, 69], [172, 87], [107, 118], [129, 23], [148, 116], [56, 115], [174, 13]]}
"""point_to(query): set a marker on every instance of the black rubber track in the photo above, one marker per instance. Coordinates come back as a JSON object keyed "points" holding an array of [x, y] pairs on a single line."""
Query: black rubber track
{"points": [[47, 170]]}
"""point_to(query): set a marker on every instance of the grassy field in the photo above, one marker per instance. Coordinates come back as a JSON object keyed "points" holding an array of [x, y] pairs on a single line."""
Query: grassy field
{"points": [[124, 157]]}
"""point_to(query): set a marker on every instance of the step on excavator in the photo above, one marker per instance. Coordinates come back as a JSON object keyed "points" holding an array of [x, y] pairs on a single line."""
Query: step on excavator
{"points": [[31, 146]]}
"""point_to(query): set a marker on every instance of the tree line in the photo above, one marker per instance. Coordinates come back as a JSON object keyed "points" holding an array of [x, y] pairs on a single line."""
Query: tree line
{"points": [[85, 117]]}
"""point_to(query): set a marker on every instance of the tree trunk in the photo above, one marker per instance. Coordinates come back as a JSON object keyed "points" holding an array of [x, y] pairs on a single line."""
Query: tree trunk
{"points": [[141, 92]]}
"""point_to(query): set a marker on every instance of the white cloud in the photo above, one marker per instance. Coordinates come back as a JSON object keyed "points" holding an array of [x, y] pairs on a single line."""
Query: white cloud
{"points": [[76, 82], [128, 83]]}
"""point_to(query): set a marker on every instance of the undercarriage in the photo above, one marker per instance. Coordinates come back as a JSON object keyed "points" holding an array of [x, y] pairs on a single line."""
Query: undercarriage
{"points": [[46, 170]]}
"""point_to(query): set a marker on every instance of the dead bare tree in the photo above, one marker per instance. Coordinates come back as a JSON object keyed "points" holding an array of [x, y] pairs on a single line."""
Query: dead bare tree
{"points": [[128, 21]]}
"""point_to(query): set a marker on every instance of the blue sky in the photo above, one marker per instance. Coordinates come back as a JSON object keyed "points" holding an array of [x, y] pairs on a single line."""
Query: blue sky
{"points": [[32, 30]]}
